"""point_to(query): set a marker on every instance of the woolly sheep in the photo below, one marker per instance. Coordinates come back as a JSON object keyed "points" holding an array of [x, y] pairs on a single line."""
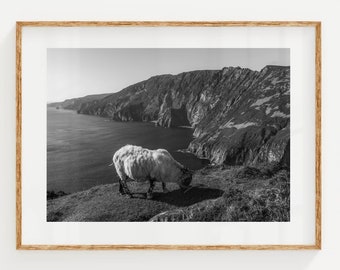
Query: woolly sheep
{"points": [[141, 165]]}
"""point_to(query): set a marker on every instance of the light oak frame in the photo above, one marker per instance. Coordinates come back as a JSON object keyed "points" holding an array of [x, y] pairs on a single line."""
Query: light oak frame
{"points": [[314, 24]]}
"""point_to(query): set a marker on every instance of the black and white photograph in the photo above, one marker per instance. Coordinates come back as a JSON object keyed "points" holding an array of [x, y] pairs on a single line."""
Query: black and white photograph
{"points": [[168, 135]]}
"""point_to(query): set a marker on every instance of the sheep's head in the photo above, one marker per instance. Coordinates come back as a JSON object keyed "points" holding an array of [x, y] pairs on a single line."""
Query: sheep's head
{"points": [[185, 180]]}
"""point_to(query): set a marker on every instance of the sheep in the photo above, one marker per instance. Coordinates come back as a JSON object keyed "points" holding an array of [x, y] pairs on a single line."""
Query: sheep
{"points": [[141, 165]]}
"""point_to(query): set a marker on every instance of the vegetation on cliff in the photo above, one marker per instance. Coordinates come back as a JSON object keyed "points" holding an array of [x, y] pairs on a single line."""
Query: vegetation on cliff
{"points": [[219, 193]]}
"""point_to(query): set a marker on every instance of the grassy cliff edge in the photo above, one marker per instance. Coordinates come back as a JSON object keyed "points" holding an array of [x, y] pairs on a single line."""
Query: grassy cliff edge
{"points": [[219, 193]]}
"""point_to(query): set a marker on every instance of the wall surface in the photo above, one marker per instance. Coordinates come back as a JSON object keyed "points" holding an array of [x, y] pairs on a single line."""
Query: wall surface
{"points": [[20, 10]]}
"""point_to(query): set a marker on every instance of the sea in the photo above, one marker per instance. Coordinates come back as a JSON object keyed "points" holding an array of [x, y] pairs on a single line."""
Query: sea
{"points": [[80, 147]]}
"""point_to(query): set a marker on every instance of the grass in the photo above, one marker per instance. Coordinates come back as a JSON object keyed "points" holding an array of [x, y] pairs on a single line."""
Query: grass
{"points": [[104, 203], [220, 193], [250, 194]]}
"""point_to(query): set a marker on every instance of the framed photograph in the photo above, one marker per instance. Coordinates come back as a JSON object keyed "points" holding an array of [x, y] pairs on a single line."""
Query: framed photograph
{"points": [[168, 135]]}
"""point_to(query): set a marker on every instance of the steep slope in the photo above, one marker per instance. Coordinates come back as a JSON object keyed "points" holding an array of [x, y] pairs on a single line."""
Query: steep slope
{"points": [[251, 121], [239, 116]]}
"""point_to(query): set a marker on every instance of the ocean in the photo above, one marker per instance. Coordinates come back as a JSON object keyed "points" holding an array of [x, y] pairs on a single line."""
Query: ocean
{"points": [[80, 148]]}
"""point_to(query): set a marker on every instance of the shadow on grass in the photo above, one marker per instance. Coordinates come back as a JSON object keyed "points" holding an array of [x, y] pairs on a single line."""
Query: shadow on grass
{"points": [[192, 196]]}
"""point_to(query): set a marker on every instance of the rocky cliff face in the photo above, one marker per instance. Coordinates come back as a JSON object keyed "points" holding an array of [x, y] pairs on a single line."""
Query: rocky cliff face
{"points": [[239, 116], [251, 121]]}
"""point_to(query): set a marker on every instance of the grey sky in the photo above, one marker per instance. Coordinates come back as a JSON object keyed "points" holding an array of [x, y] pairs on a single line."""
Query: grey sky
{"points": [[80, 72]]}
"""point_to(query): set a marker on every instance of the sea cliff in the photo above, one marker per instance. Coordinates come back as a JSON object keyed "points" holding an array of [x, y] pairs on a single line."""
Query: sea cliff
{"points": [[239, 116]]}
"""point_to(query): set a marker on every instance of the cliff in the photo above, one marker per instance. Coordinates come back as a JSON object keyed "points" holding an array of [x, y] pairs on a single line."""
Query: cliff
{"points": [[239, 116]]}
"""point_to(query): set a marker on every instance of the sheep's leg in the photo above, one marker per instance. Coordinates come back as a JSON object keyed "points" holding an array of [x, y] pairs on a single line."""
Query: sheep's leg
{"points": [[165, 190], [123, 188], [127, 190], [149, 194]]}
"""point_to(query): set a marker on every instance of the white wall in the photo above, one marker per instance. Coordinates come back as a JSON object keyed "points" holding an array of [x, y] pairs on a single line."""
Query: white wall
{"points": [[325, 11]]}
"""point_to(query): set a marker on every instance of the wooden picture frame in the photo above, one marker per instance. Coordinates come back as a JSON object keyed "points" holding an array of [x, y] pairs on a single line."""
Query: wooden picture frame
{"points": [[21, 26]]}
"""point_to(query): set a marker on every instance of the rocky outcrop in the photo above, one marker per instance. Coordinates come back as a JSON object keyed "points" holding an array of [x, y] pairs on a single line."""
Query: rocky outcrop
{"points": [[239, 116]]}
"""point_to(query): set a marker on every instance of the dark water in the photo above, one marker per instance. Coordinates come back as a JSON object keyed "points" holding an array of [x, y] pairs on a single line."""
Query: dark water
{"points": [[80, 147]]}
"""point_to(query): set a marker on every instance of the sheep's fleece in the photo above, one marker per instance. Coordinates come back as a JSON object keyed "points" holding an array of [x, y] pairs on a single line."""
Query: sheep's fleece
{"points": [[141, 164]]}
